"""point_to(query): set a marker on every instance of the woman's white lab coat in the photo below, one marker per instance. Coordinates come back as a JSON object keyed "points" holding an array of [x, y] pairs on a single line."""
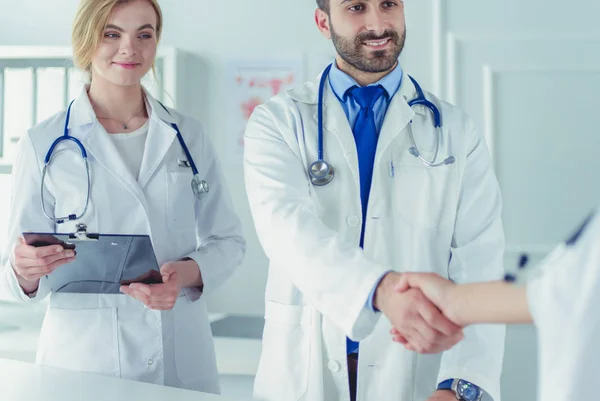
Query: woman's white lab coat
{"points": [[115, 334], [444, 220], [564, 298]]}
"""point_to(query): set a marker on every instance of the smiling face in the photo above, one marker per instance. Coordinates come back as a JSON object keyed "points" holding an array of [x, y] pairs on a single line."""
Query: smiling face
{"points": [[127, 48], [368, 35]]}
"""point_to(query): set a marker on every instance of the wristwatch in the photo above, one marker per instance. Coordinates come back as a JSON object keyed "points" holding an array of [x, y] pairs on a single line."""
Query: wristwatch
{"points": [[464, 390]]}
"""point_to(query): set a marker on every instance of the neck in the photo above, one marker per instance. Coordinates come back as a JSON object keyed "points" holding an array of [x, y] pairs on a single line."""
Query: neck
{"points": [[115, 101], [363, 78]]}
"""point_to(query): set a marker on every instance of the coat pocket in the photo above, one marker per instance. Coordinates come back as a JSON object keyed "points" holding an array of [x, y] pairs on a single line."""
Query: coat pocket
{"points": [[284, 363], [195, 358], [426, 197], [83, 340]]}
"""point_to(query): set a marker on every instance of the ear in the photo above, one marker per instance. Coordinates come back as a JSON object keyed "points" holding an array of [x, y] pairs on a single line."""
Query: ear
{"points": [[322, 21]]}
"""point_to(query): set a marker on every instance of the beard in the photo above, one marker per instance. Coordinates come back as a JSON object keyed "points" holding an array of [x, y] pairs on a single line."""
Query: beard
{"points": [[357, 55]]}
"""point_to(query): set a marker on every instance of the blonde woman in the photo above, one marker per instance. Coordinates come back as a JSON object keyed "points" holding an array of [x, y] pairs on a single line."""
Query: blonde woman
{"points": [[142, 158]]}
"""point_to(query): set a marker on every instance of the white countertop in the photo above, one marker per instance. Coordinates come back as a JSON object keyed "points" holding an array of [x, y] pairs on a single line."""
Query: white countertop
{"points": [[22, 381], [235, 356]]}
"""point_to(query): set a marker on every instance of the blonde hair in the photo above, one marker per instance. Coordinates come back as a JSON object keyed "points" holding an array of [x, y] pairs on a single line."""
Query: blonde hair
{"points": [[88, 27]]}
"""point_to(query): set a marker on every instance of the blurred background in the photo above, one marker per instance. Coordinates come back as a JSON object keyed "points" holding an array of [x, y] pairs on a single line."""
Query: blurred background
{"points": [[527, 71]]}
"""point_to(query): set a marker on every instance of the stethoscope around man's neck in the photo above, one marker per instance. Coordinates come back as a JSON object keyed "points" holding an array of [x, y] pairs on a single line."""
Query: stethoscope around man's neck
{"points": [[321, 172]]}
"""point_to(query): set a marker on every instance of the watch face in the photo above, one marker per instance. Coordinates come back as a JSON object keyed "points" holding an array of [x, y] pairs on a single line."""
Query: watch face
{"points": [[468, 391]]}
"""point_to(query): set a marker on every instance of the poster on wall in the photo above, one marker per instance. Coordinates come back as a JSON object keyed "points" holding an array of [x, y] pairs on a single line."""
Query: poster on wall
{"points": [[253, 83]]}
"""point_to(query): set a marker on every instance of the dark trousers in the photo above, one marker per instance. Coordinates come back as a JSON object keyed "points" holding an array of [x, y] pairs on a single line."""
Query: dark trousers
{"points": [[352, 374]]}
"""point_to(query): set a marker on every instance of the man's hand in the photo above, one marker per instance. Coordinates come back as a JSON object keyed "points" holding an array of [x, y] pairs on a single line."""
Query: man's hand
{"points": [[418, 323], [436, 289], [443, 395], [158, 296]]}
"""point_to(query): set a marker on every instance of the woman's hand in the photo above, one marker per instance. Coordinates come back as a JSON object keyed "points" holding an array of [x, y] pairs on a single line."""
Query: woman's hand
{"points": [[435, 288], [31, 263], [158, 296]]}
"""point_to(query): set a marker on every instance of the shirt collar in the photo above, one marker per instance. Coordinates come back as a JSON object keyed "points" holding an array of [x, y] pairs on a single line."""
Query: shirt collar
{"points": [[340, 81]]}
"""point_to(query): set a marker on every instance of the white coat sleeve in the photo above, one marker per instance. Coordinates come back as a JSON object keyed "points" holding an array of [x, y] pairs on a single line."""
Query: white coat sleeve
{"points": [[477, 256], [563, 297], [220, 244], [25, 215], [332, 274]]}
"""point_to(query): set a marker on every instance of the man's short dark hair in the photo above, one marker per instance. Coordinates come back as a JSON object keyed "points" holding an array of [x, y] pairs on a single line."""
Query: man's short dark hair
{"points": [[323, 5]]}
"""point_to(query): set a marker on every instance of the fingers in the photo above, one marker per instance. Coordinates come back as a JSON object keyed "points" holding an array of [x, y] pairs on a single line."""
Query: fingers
{"points": [[157, 296], [32, 263], [420, 325], [36, 272], [436, 320], [169, 272], [32, 252], [24, 262], [397, 337]]}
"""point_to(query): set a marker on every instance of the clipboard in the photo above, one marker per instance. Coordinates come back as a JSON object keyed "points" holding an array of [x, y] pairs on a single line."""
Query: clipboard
{"points": [[103, 262]]}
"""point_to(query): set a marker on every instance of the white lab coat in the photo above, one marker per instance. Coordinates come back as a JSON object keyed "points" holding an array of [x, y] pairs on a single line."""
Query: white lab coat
{"points": [[564, 300], [115, 334], [319, 279]]}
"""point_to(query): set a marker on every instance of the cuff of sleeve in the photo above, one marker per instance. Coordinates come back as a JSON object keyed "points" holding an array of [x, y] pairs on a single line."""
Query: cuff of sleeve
{"points": [[490, 388], [207, 263], [363, 319], [371, 298], [14, 291]]}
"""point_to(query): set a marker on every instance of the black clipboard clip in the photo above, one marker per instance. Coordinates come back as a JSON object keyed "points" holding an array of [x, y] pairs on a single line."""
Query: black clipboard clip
{"points": [[81, 234]]}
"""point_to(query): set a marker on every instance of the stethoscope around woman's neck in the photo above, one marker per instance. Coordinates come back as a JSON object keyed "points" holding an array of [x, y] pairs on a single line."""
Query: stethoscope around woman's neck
{"points": [[199, 186], [321, 173]]}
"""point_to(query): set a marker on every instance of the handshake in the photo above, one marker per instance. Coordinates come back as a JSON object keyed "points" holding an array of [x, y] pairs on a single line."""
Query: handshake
{"points": [[423, 310]]}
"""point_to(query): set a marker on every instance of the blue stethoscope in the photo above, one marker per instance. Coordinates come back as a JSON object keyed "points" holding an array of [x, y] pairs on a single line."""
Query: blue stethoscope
{"points": [[321, 173], [199, 186]]}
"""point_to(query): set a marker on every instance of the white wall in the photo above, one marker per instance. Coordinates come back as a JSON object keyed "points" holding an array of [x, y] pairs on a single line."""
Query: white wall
{"points": [[528, 72]]}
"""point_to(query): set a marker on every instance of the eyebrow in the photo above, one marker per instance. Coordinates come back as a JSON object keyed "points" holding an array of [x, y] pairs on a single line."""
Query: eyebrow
{"points": [[117, 28]]}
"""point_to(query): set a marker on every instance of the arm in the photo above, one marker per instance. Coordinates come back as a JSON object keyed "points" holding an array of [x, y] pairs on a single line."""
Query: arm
{"points": [[467, 304], [26, 215], [495, 302], [221, 246], [332, 274]]}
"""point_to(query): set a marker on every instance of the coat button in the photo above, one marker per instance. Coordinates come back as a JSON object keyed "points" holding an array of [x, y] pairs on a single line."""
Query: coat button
{"points": [[353, 221], [334, 366], [150, 362]]}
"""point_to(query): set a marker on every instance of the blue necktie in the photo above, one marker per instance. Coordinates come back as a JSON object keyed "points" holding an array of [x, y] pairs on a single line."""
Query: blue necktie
{"points": [[365, 136]]}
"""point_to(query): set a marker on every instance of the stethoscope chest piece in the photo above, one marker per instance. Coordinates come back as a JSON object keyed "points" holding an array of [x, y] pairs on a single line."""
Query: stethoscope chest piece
{"points": [[321, 173], [199, 186]]}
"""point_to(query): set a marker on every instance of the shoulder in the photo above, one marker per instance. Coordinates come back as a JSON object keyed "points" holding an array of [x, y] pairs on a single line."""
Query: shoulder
{"points": [[286, 108], [44, 133]]}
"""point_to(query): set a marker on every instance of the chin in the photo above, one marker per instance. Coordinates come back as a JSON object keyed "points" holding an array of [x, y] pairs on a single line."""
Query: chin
{"points": [[126, 81]]}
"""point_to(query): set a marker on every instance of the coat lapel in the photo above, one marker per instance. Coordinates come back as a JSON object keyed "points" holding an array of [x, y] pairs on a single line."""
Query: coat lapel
{"points": [[335, 122], [98, 143], [160, 138], [84, 125], [399, 114]]}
